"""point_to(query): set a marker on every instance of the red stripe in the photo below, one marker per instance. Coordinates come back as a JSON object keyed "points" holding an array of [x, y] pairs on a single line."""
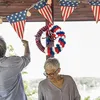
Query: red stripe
{"points": [[49, 12], [22, 24], [61, 43], [56, 49], [13, 25], [92, 7], [63, 9], [19, 28], [99, 12], [46, 12], [41, 11], [15, 28], [70, 10], [96, 12], [66, 11], [48, 51], [96, 15]]}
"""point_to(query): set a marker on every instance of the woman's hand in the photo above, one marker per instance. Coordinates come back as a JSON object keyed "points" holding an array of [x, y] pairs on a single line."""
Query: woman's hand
{"points": [[25, 43]]}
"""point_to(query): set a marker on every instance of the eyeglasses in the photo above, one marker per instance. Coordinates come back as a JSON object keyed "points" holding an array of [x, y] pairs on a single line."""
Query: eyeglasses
{"points": [[51, 74]]}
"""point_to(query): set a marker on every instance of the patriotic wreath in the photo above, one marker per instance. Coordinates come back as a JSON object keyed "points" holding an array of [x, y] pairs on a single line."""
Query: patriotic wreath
{"points": [[53, 33]]}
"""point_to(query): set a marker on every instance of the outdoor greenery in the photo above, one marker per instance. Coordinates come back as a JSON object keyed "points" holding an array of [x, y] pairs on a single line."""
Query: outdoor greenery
{"points": [[28, 88]]}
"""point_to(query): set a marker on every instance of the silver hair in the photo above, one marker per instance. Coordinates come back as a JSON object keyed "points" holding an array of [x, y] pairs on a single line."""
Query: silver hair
{"points": [[2, 47], [52, 63]]}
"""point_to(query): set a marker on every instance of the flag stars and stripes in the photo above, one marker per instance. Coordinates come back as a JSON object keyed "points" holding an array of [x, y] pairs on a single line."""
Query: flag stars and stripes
{"points": [[67, 7], [44, 9], [95, 6], [22, 18], [94, 3], [40, 5], [16, 13], [17, 16], [11, 18], [68, 3], [18, 20]]}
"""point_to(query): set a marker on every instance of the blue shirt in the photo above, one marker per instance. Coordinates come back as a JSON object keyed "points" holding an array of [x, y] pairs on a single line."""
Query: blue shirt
{"points": [[11, 85]]}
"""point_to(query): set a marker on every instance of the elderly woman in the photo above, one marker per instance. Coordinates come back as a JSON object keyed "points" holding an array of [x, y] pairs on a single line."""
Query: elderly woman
{"points": [[55, 86], [11, 84]]}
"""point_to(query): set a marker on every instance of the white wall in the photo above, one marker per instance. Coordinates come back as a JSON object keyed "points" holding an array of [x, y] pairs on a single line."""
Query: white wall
{"points": [[80, 57]]}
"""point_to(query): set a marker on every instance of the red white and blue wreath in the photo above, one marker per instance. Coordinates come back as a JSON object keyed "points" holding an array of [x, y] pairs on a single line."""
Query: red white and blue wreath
{"points": [[55, 35]]}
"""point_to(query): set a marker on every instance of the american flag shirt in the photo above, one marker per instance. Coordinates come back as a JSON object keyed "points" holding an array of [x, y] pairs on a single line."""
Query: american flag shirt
{"points": [[44, 9], [95, 6], [67, 7], [18, 20]]}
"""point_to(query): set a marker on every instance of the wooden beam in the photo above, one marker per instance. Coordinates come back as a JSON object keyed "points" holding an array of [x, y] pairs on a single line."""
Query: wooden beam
{"points": [[82, 13]]}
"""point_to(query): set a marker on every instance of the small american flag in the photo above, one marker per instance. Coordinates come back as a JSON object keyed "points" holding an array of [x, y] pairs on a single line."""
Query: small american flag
{"points": [[44, 9], [18, 20], [95, 6], [67, 7]]}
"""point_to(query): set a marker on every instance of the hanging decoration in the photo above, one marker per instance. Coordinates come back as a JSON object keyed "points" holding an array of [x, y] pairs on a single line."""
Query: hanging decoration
{"points": [[54, 34], [0, 20], [67, 7], [44, 9], [18, 20], [28, 13], [95, 6], [49, 2]]}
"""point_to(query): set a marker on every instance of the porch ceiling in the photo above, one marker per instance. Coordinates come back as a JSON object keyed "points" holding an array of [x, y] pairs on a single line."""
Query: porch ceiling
{"points": [[81, 13]]}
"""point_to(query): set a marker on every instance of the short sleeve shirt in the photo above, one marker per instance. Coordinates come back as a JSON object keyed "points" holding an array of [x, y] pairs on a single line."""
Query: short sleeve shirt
{"points": [[11, 85]]}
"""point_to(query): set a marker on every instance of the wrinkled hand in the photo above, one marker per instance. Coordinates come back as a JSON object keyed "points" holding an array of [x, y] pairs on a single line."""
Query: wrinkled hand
{"points": [[25, 43]]}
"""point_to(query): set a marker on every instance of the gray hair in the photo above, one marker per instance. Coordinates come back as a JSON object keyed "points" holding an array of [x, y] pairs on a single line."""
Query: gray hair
{"points": [[52, 63], [2, 47]]}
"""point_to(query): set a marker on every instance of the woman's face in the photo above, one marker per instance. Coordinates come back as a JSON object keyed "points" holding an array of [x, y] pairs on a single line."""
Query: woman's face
{"points": [[51, 73]]}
